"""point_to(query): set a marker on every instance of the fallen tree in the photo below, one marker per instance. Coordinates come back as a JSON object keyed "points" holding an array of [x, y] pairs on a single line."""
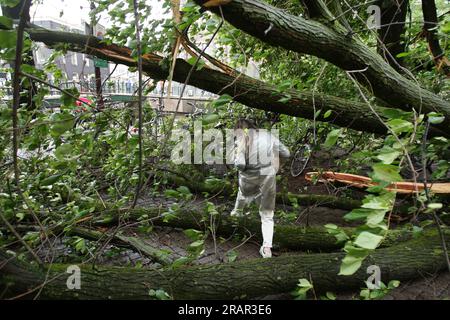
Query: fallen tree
{"points": [[321, 39], [243, 279], [431, 22], [199, 185], [287, 236], [244, 89], [122, 241]]}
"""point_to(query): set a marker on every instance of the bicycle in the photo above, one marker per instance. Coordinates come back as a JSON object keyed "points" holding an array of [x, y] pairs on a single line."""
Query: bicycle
{"points": [[310, 144], [302, 155]]}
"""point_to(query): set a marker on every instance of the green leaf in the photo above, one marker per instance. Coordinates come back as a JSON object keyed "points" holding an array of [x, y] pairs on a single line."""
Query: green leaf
{"points": [[63, 151], [400, 126], [67, 99], [434, 206], [8, 39], [197, 244], [386, 173], [210, 118], [285, 99], [6, 22], [184, 190], [331, 226], [192, 234], [337, 232], [358, 214], [317, 114], [284, 86], [171, 193], [350, 265], [368, 240], [330, 295], [327, 114], [50, 180], [388, 156], [20, 216], [62, 122], [159, 294], [403, 54], [222, 100], [332, 138], [80, 245], [193, 60], [392, 113], [180, 262], [10, 3], [232, 255], [393, 284], [304, 283], [375, 218], [435, 118], [384, 201], [446, 27]]}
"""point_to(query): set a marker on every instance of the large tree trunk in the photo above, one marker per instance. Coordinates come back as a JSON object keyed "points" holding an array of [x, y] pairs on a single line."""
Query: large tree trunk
{"points": [[28, 58], [199, 186], [312, 37], [429, 29], [288, 236], [393, 16], [244, 279], [251, 92]]}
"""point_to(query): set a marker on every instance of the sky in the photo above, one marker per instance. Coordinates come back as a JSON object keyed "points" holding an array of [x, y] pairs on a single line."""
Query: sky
{"points": [[76, 10]]}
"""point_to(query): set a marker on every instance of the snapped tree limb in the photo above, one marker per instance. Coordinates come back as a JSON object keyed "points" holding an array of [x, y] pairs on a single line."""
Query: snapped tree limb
{"points": [[246, 90], [306, 36], [242, 279]]}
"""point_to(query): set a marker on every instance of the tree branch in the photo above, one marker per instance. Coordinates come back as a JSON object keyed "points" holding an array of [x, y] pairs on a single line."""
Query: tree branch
{"points": [[246, 90], [429, 29], [311, 37]]}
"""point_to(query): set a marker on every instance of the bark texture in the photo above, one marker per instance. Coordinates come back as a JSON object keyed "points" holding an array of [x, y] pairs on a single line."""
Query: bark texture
{"points": [[288, 236], [393, 16], [430, 32], [312, 37], [246, 90], [245, 279]]}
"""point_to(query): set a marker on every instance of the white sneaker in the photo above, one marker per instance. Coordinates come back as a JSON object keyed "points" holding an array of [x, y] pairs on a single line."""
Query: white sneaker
{"points": [[265, 252]]}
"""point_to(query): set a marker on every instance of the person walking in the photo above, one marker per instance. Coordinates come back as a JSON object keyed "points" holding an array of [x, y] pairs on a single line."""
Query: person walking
{"points": [[257, 154]]}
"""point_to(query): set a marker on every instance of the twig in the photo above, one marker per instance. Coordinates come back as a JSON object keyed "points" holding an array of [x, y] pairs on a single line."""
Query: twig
{"points": [[139, 53], [188, 77], [427, 194], [16, 87], [56, 88], [11, 228]]}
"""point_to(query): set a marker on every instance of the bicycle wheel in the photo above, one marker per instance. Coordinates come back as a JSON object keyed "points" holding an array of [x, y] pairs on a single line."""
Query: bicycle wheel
{"points": [[300, 160]]}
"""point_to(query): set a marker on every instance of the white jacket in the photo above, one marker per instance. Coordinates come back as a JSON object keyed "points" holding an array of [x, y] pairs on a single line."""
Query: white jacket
{"points": [[258, 151]]}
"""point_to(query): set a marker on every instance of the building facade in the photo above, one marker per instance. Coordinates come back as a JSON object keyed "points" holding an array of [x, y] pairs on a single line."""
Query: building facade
{"points": [[78, 69]]}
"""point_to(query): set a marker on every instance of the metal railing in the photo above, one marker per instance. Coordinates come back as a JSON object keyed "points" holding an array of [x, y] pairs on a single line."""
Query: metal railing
{"points": [[119, 87]]}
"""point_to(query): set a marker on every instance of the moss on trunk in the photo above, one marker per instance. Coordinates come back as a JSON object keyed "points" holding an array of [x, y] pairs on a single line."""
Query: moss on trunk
{"points": [[244, 279]]}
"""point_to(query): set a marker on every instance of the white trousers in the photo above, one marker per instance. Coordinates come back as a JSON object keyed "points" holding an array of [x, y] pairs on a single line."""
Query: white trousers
{"points": [[262, 189]]}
